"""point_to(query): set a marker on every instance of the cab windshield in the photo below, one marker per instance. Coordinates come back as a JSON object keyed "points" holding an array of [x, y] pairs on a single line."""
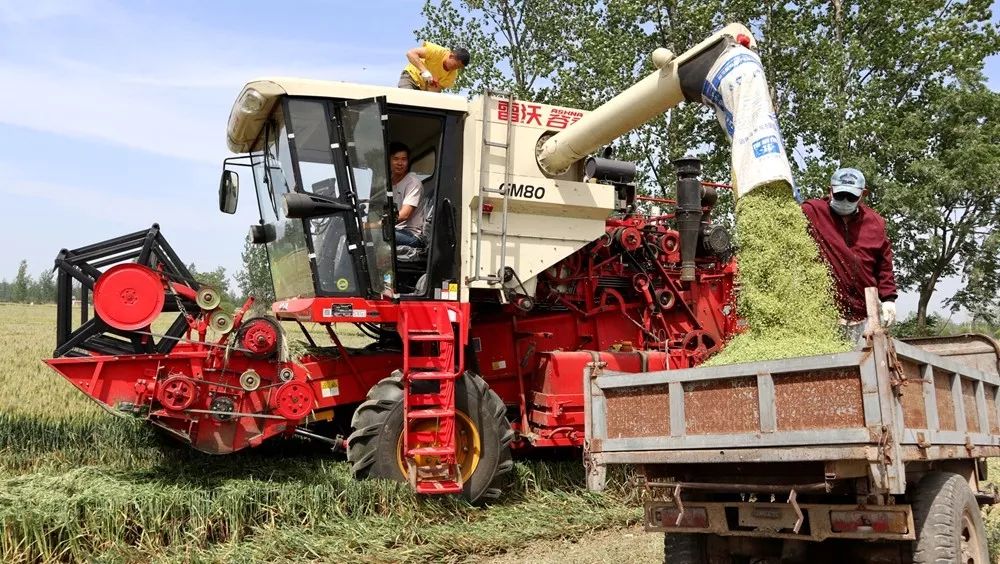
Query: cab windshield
{"points": [[347, 253]]}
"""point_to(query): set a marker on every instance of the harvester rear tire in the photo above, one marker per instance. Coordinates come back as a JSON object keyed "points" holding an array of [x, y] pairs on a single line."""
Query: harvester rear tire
{"points": [[378, 423]]}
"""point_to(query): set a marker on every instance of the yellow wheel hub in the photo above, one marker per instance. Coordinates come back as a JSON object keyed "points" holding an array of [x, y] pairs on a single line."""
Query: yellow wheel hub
{"points": [[468, 446]]}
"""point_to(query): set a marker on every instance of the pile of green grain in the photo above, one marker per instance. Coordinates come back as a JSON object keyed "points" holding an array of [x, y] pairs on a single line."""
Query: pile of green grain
{"points": [[785, 291]]}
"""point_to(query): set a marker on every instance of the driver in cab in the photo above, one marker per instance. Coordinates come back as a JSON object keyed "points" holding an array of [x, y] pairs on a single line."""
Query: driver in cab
{"points": [[406, 189]]}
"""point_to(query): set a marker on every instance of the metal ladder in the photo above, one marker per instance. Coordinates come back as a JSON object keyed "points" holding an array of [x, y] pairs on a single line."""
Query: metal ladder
{"points": [[484, 188], [428, 413]]}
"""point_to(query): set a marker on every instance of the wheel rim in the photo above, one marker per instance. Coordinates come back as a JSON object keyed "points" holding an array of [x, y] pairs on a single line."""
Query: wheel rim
{"points": [[468, 446], [970, 541]]}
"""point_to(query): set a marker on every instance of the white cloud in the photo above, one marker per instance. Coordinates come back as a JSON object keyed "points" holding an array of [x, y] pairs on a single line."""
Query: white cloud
{"points": [[19, 11], [157, 85]]}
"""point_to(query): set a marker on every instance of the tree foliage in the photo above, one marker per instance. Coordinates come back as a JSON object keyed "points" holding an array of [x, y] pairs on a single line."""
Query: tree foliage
{"points": [[25, 289], [217, 280], [22, 283], [254, 279]]}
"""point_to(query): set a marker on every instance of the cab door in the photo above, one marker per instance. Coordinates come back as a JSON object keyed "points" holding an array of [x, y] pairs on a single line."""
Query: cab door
{"points": [[365, 141]]}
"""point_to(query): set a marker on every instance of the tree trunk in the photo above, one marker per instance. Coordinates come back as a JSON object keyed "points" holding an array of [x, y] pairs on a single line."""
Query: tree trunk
{"points": [[925, 298]]}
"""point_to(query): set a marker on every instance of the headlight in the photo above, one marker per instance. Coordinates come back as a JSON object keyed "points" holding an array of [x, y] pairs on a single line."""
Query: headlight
{"points": [[252, 101]]}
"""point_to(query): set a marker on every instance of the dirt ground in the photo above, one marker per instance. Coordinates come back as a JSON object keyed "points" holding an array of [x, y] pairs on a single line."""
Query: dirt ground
{"points": [[615, 545]]}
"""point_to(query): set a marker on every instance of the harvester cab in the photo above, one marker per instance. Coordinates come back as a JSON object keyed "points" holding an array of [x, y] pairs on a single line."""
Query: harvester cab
{"points": [[536, 261], [318, 155]]}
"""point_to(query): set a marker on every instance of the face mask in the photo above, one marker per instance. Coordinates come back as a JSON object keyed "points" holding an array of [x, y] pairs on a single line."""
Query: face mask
{"points": [[843, 207]]}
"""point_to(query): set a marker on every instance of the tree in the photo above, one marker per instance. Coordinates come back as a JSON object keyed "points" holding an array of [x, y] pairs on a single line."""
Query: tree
{"points": [[580, 54], [946, 198], [45, 287], [516, 45], [255, 277], [22, 284]]}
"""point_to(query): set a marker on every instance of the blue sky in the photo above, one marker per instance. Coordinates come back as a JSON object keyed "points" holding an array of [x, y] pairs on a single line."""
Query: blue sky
{"points": [[113, 115]]}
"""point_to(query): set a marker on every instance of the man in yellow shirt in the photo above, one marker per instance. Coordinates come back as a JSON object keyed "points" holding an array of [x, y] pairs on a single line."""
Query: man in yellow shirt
{"points": [[433, 67]]}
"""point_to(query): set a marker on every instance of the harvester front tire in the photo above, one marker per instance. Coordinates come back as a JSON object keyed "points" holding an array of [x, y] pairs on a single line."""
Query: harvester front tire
{"points": [[949, 526], [378, 423]]}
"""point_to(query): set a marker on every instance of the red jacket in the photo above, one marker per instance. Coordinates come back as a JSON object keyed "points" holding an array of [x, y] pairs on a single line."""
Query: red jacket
{"points": [[858, 252]]}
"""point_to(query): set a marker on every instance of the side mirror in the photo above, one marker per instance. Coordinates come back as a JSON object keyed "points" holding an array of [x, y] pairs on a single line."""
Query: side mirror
{"points": [[229, 191]]}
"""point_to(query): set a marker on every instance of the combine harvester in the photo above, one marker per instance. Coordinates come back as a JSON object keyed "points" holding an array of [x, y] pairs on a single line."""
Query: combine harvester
{"points": [[538, 265]]}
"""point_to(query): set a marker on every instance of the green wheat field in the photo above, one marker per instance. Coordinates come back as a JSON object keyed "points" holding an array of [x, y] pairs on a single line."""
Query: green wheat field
{"points": [[80, 485]]}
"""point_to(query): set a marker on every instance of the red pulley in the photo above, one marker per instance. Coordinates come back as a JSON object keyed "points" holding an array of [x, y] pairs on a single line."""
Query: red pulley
{"points": [[669, 242], [630, 238], [293, 400], [128, 296], [177, 393], [260, 337]]}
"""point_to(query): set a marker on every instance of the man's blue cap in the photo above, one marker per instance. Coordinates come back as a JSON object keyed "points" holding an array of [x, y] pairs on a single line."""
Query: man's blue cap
{"points": [[848, 180]]}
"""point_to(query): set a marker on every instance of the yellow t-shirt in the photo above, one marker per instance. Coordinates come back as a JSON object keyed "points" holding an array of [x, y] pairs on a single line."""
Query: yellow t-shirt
{"points": [[434, 61]]}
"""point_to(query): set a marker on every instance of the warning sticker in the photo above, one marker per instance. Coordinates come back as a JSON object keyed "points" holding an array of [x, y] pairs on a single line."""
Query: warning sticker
{"points": [[499, 364], [339, 310], [330, 388]]}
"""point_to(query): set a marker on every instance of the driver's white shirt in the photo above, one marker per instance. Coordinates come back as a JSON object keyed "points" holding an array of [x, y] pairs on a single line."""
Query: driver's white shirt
{"points": [[407, 192]]}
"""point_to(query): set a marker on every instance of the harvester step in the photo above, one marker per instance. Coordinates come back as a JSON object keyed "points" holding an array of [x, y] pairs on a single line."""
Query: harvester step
{"points": [[431, 413], [431, 451], [442, 487], [432, 376], [431, 337]]}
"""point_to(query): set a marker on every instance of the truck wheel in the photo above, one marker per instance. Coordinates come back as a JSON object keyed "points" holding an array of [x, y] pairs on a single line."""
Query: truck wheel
{"points": [[685, 548], [375, 448], [949, 526]]}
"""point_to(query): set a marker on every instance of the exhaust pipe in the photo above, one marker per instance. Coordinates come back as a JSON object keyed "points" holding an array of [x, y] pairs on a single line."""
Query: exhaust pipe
{"points": [[689, 212]]}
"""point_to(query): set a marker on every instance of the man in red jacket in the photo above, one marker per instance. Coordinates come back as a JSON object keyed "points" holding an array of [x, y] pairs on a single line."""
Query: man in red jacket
{"points": [[852, 239]]}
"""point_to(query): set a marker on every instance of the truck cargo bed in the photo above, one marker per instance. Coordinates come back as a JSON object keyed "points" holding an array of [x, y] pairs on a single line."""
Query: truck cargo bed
{"points": [[887, 404]]}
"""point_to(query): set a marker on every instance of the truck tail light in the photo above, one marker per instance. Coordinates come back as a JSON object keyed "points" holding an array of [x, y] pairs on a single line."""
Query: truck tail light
{"points": [[693, 518], [876, 521]]}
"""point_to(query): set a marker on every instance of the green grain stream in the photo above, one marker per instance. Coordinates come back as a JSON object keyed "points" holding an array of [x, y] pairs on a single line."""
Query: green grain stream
{"points": [[785, 292]]}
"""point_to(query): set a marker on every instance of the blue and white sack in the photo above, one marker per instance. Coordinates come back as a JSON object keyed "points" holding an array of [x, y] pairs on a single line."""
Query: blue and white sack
{"points": [[737, 88]]}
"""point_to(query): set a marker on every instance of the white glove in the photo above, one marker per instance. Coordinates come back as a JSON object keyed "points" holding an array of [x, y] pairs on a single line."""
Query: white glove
{"points": [[888, 313], [426, 75]]}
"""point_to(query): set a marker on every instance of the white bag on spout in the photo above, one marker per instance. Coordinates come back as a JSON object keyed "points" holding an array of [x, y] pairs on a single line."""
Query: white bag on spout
{"points": [[737, 89]]}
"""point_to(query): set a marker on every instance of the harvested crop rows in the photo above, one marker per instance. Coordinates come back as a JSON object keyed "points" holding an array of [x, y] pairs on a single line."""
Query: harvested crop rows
{"points": [[77, 483]]}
